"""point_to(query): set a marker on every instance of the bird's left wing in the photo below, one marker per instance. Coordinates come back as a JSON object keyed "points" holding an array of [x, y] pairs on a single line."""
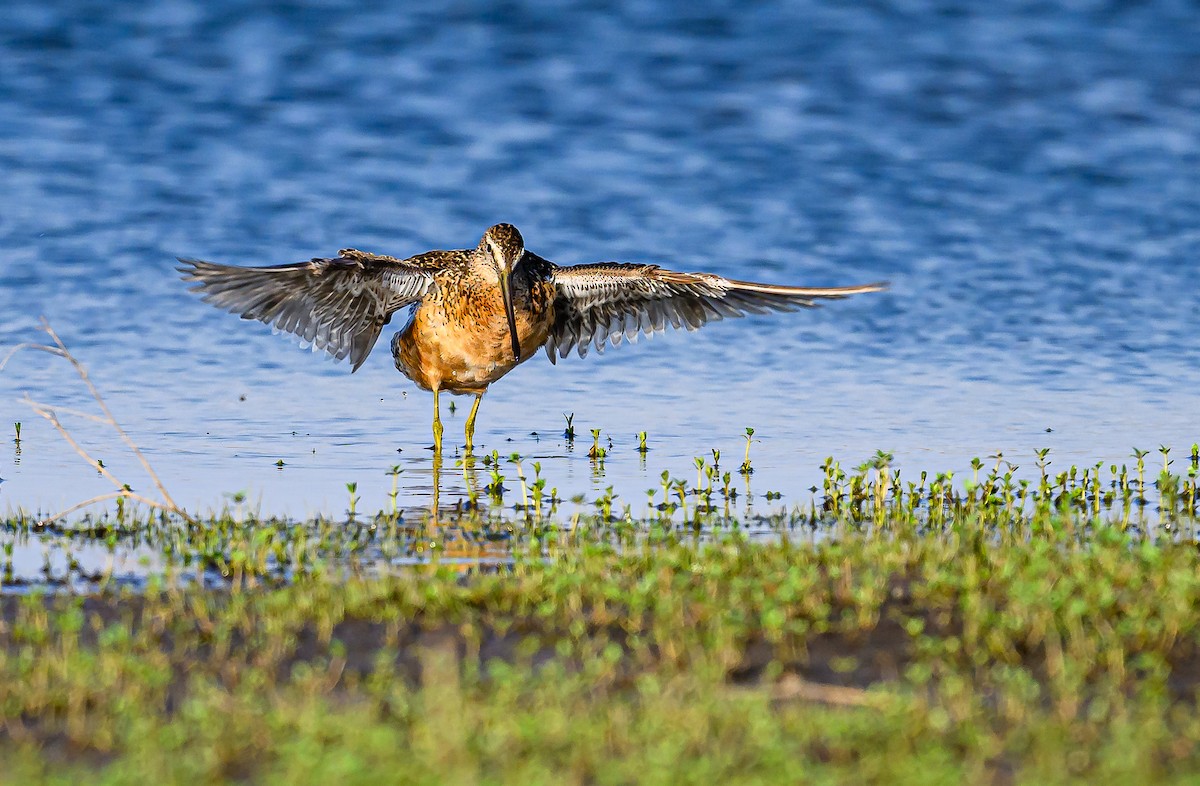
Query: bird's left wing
{"points": [[339, 305], [609, 301]]}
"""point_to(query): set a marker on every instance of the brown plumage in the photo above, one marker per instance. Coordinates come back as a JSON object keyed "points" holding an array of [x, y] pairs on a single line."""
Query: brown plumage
{"points": [[478, 313]]}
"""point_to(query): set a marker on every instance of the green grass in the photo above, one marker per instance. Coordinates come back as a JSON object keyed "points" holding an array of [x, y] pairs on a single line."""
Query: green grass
{"points": [[934, 631]]}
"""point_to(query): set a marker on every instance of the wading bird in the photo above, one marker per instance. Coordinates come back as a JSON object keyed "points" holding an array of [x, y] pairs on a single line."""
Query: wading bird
{"points": [[478, 313]]}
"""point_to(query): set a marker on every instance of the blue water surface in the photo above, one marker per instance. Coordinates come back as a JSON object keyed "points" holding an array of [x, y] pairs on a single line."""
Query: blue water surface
{"points": [[1026, 174]]}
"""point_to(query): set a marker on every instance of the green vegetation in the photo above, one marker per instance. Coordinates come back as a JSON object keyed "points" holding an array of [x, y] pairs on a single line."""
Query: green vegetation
{"points": [[1003, 630], [746, 469], [596, 452]]}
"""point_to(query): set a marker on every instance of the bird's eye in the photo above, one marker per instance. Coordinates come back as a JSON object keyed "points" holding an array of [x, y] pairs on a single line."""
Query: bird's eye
{"points": [[496, 255]]}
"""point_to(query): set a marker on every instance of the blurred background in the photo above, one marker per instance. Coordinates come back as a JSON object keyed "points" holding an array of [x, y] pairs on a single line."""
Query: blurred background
{"points": [[1026, 174]]}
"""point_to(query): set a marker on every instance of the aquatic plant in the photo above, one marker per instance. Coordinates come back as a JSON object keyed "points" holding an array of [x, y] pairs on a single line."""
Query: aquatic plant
{"points": [[595, 452], [746, 469]]}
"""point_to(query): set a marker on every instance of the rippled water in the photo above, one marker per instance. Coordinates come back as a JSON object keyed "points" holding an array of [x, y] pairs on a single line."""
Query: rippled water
{"points": [[1026, 174]]}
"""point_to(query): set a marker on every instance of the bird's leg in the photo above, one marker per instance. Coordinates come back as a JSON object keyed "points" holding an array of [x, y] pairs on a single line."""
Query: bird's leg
{"points": [[471, 422], [437, 424]]}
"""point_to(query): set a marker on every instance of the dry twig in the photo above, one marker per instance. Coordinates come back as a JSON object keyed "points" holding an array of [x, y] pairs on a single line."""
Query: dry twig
{"points": [[51, 414]]}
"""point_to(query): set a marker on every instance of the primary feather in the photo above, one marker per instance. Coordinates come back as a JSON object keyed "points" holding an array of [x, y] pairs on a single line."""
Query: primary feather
{"points": [[339, 305], [611, 301]]}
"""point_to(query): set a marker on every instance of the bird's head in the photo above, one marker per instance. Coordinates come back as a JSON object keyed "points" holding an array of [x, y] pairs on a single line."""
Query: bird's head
{"points": [[504, 246]]}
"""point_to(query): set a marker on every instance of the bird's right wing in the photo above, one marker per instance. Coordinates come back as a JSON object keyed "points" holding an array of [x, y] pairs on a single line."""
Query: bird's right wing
{"points": [[339, 305], [611, 301]]}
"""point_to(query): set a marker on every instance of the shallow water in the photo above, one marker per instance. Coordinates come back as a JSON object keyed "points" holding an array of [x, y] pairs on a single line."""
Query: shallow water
{"points": [[1026, 176]]}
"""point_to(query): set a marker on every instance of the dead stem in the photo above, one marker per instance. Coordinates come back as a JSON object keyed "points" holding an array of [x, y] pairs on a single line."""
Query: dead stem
{"points": [[104, 497], [51, 415]]}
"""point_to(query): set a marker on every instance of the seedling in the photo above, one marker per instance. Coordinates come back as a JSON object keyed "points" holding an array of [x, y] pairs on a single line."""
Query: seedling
{"points": [[1140, 456], [976, 465], [538, 486], [746, 469], [596, 452], [395, 493], [515, 460], [604, 504], [495, 488]]}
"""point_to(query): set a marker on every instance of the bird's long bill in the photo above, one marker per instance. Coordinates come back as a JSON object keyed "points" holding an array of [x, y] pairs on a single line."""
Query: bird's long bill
{"points": [[506, 293]]}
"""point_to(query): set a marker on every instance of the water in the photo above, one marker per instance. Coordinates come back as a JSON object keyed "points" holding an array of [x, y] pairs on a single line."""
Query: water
{"points": [[1027, 175]]}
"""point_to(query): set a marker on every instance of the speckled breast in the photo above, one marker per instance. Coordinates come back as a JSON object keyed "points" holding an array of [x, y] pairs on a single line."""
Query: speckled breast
{"points": [[457, 339]]}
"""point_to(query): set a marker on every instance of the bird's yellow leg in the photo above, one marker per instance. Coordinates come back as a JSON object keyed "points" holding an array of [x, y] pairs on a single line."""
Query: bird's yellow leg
{"points": [[471, 422], [437, 424]]}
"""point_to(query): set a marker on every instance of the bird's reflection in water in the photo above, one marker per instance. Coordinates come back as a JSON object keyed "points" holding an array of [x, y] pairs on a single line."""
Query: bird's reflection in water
{"points": [[460, 526], [467, 464], [466, 541]]}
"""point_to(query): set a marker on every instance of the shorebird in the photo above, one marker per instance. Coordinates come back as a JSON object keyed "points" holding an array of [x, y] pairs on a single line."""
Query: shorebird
{"points": [[476, 314]]}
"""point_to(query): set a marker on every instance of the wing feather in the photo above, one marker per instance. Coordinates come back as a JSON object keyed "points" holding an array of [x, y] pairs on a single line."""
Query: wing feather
{"points": [[603, 303], [339, 305]]}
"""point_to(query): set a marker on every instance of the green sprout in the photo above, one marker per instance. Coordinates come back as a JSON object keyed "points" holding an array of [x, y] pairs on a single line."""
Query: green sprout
{"points": [[746, 469]]}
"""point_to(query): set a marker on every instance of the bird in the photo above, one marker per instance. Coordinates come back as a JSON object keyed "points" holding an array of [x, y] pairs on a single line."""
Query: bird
{"points": [[476, 314]]}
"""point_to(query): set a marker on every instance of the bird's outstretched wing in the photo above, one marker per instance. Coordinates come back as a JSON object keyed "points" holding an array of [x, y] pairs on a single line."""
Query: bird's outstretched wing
{"points": [[339, 305], [611, 301]]}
